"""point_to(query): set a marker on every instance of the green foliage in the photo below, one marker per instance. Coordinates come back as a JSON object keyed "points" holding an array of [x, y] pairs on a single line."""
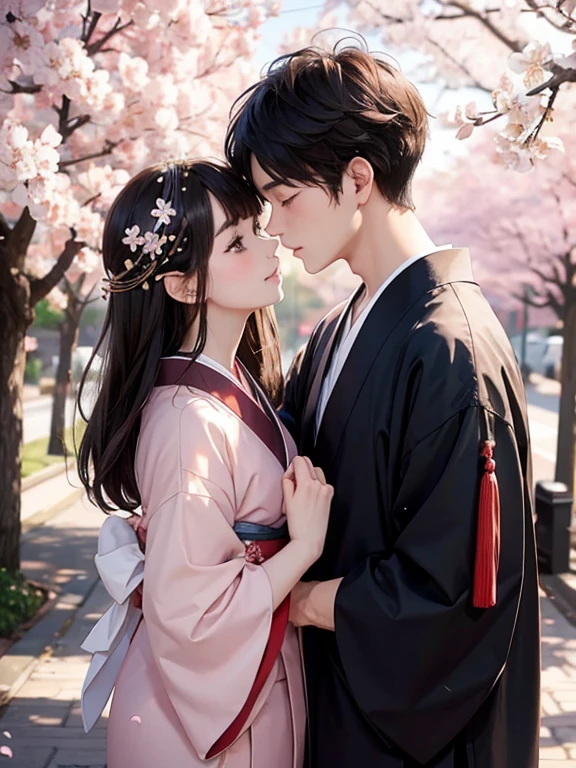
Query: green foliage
{"points": [[19, 601], [47, 316], [33, 370]]}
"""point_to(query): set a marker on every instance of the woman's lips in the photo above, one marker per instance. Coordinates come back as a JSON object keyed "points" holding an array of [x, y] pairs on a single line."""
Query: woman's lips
{"points": [[276, 276]]}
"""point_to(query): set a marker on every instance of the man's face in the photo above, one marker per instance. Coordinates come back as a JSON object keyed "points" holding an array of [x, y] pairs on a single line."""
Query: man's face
{"points": [[318, 229]]}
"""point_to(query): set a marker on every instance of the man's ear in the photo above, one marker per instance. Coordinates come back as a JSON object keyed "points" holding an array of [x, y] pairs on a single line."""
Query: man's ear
{"points": [[362, 174], [180, 287]]}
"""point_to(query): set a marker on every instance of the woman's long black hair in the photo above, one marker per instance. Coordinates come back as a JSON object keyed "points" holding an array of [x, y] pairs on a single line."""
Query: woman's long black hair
{"points": [[142, 326]]}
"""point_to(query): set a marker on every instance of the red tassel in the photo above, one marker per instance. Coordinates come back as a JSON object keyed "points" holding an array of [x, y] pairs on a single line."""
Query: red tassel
{"points": [[488, 534]]}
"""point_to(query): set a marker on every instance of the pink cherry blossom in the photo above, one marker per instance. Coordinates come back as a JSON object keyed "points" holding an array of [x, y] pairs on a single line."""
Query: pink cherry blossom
{"points": [[28, 46], [464, 50], [6, 751], [531, 62], [161, 88]]}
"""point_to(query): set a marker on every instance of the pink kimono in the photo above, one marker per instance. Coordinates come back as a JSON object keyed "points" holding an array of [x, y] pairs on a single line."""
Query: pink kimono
{"points": [[201, 683]]}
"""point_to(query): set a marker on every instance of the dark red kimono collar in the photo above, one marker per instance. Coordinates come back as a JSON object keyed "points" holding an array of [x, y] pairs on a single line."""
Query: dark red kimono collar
{"points": [[176, 371]]}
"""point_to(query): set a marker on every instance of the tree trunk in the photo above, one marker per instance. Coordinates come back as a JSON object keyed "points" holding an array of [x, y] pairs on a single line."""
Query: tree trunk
{"points": [[68, 339], [566, 453], [15, 317]]}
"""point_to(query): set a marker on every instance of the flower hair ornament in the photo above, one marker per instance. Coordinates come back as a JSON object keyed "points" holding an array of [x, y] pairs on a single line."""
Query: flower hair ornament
{"points": [[150, 246]]}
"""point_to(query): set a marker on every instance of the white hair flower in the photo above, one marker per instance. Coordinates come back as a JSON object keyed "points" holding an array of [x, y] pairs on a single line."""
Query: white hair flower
{"points": [[164, 211], [133, 238], [153, 244]]}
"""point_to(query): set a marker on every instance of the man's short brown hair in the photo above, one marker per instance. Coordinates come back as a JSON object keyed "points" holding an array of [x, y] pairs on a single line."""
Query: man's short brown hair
{"points": [[314, 111]]}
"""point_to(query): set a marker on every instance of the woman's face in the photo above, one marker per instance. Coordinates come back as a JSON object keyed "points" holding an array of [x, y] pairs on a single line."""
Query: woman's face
{"points": [[244, 271]]}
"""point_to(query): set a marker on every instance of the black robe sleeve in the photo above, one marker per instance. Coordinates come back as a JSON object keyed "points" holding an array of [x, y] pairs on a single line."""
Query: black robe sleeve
{"points": [[418, 658]]}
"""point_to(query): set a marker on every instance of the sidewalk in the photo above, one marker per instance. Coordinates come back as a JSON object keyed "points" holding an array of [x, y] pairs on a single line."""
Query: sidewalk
{"points": [[60, 487], [43, 718], [558, 732]]}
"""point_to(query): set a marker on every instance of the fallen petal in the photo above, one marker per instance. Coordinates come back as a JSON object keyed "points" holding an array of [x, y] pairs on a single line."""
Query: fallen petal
{"points": [[136, 719], [6, 751]]}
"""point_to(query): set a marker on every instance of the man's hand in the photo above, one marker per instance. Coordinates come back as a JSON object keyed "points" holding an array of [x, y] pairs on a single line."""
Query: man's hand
{"points": [[312, 603]]}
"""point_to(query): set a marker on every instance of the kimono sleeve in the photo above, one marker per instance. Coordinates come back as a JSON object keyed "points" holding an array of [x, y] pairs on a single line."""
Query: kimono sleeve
{"points": [[418, 658], [208, 612]]}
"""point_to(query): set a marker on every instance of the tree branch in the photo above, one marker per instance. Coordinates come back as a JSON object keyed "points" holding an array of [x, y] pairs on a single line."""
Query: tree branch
{"points": [[386, 16], [21, 88], [548, 301], [109, 147], [476, 83], [118, 27], [19, 239], [88, 29], [513, 45], [4, 227], [539, 11], [555, 279], [63, 113], [41, 287], [560, 75]]}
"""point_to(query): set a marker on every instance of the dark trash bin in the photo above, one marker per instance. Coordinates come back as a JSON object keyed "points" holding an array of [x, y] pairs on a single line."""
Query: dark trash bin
{"points": [[553, 521]]}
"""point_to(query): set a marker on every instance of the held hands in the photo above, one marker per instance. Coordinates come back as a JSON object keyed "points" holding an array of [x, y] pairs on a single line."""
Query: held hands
{"points": [[307, 499]]}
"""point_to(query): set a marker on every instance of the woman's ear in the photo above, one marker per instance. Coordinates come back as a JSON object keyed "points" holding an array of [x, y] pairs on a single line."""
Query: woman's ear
{"points": [[180, 287], [362, 174]]}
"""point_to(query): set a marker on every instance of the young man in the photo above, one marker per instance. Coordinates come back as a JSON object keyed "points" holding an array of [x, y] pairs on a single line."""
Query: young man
{"points": [[421, 623]]}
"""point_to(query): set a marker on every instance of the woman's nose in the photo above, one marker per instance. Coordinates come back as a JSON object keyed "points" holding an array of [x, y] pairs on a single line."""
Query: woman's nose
{"points": [[272, 246]]}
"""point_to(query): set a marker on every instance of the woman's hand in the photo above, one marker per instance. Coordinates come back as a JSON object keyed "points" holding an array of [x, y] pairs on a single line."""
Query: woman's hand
{"points": [[307, 499]]}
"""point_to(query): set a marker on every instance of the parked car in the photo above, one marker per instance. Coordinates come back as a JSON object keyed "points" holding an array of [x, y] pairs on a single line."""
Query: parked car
{"points": [[553, 357], [535, 350], [543, 354]]}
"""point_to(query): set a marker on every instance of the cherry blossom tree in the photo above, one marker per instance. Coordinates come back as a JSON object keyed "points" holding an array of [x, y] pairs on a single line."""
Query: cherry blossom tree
{"points": [[519, 56], [91, 91]]}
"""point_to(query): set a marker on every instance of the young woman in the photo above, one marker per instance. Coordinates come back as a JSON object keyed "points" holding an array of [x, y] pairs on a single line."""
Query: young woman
{"points": [[205, 666]]}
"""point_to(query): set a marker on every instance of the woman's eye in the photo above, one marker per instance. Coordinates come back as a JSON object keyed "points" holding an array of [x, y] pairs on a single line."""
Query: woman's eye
{"points": [[286, 203], [237, 245]]}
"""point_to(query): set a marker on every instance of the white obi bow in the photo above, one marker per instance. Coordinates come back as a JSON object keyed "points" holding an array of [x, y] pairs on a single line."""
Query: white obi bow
{"points": [[120, 564]]}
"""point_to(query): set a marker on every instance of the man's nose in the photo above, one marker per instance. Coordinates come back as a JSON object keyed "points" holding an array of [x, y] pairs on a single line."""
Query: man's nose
{"points": [[273, 227]]}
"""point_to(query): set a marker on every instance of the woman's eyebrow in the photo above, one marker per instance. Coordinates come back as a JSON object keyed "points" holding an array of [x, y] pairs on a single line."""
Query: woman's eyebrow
{"points": [[224, 227]]}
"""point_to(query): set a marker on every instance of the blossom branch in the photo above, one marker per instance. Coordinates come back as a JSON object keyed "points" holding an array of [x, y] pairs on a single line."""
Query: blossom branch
{"points": [[41, 287], [96, 47], [560, 75], [108, 148], [467, 10], [461, 66], [89, 28], [568, 22], [25, 87], [20, 238], [4, 228]]}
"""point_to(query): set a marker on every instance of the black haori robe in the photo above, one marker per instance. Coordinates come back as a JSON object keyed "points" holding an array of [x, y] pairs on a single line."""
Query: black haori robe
{"points": [[428, 404]]}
